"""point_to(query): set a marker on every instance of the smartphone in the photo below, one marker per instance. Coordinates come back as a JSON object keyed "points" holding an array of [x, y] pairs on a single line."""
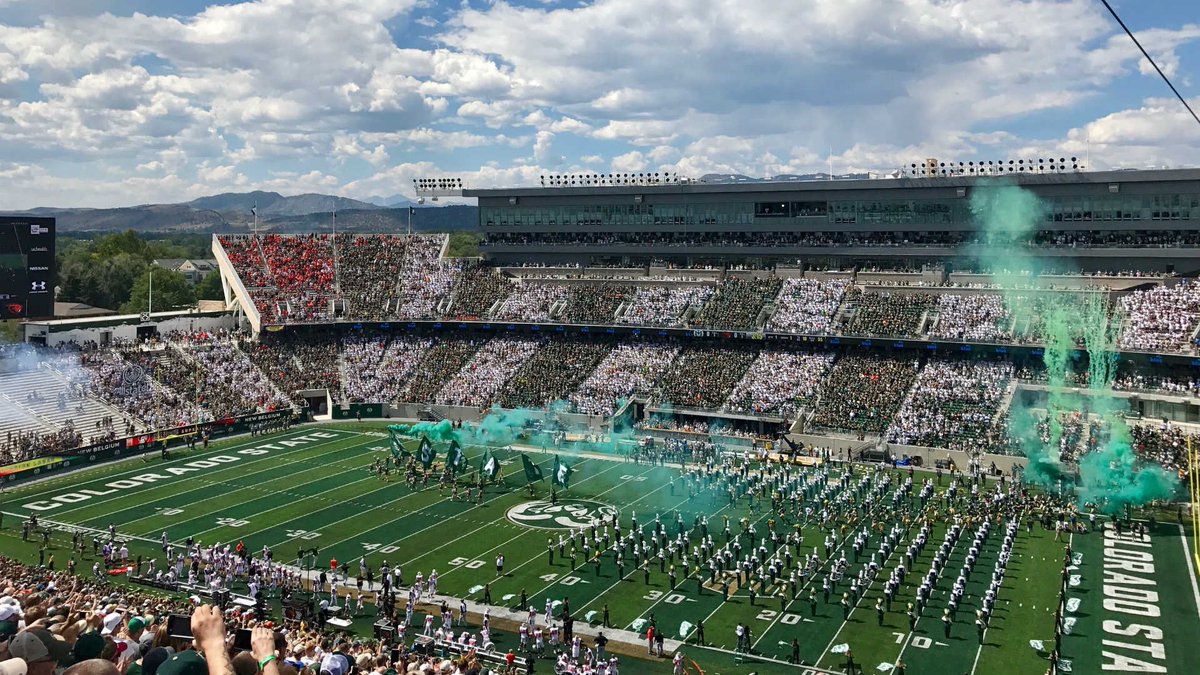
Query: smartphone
{"points": [[241, 640], [179, 626]]}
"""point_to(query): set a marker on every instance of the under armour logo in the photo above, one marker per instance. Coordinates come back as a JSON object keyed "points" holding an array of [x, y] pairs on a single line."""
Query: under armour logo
{"points": [[37, 286]]}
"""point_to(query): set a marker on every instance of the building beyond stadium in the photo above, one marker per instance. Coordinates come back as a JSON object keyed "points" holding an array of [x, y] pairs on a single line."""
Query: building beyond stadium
{"points": [[1109, 220]]}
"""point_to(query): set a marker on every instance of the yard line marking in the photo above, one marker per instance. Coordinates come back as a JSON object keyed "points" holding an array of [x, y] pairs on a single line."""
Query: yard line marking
{"points": [[866, 526], [196, 535], [664, 595], [342, 520], [406, 515], [1187, 557], [643, 528], [147, 469], [755, 657], [226, 507], [528, 531], [444, 545]]}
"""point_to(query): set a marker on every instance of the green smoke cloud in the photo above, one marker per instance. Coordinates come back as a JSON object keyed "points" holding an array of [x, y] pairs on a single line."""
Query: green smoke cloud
{"points": [[1076, 328]]}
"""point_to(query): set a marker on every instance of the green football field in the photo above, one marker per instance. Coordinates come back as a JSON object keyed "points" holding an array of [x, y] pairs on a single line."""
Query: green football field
{"points": [[310, 487]]}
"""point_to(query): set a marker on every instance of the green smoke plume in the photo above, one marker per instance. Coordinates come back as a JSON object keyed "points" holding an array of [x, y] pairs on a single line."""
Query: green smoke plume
{"points": [[1075, 327]]}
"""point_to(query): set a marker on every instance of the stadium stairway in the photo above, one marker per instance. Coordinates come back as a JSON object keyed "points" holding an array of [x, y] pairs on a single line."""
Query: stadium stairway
{"points": [[1006, 402], [84, 413], [15, 416]]}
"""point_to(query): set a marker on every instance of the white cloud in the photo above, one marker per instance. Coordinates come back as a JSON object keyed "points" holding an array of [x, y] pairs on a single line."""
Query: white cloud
{"points": [[631, 161], [340, 93]]}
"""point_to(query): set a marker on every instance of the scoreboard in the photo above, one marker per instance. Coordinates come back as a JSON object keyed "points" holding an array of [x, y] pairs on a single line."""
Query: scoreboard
{"points": [[27, 269]]}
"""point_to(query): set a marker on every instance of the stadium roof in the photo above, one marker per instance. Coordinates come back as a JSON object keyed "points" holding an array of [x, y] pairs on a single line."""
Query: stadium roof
{"points": [[790, 185]]}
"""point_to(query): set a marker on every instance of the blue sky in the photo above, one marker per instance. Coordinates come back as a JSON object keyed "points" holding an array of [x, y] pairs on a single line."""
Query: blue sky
{"points": [[118, 102]]}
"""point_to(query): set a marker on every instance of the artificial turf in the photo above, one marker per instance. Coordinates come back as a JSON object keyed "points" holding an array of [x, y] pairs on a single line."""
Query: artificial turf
{"points": [[310, 487]]}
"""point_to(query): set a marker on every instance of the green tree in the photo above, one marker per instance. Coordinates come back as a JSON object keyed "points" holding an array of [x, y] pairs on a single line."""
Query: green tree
{"points": [[209, 287], [463, 245], [123, 242], [171, 291]]}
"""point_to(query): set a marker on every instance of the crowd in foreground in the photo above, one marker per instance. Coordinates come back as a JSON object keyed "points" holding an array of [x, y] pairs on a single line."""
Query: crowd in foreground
{"points": [[55, 622]]}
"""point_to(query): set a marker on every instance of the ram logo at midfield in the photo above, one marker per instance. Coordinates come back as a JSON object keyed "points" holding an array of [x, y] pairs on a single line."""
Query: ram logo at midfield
{"points": [[565, 515]]}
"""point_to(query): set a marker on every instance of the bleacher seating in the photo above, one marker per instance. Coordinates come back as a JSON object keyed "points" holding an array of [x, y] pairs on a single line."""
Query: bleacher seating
{"points": [[737, 303], [807, 305], [863, 392], [703, 377], [553, 371]]}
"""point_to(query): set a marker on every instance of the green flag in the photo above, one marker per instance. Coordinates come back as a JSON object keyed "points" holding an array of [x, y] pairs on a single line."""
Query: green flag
{"points": [[426, 452], [399, 452], [490, 466], [533, 472], [455, 457], [562, 473]]}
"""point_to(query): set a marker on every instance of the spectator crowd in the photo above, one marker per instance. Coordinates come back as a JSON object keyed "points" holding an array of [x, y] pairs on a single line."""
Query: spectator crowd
{"points": [[863, 392], [779, 383], [631, 367], [1162, 318], [953, 404], [703, 377], [807, 305]]}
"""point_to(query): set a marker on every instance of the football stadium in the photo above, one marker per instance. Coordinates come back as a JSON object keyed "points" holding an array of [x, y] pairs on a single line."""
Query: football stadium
{"points": [[933, 424]]}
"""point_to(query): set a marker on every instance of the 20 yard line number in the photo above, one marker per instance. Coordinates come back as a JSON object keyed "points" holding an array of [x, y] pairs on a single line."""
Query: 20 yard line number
{"points": [[787, 619]]}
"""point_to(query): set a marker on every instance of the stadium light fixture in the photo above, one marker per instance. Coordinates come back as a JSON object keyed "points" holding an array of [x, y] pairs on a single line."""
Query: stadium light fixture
{"points": [[438, 187]]}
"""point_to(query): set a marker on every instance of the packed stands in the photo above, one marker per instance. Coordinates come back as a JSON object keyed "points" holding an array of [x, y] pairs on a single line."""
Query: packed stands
{"points": [[552, 373], [1166, 384], [954, 404], [1164, 443], [247, 259], [703, 377], [980, 317], [840, 238], [426, 280], [630, 368], [479, 287], [1162, 318], [369, 267], [863, 392], [482, 378], [807, 305], [663, 305], [123, 379], [531, 302], [225, 367], [216, 392], [303, 271], [375, 367], [779, 383], [295, 362], [437, 365], [594, 303], [887, 314], [737, 303]]}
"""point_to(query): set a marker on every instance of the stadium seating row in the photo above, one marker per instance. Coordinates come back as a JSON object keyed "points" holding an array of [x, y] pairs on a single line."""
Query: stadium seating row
{"points": [[315, 278]]}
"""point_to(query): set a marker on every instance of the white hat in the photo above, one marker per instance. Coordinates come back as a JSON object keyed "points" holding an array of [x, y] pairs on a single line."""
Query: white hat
{"points": [[13, 666], [8, 611], [112, 622]]}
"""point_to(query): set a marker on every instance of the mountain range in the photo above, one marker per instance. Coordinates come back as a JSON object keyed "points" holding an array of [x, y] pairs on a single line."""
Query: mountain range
{"points": [[234, 212]]}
